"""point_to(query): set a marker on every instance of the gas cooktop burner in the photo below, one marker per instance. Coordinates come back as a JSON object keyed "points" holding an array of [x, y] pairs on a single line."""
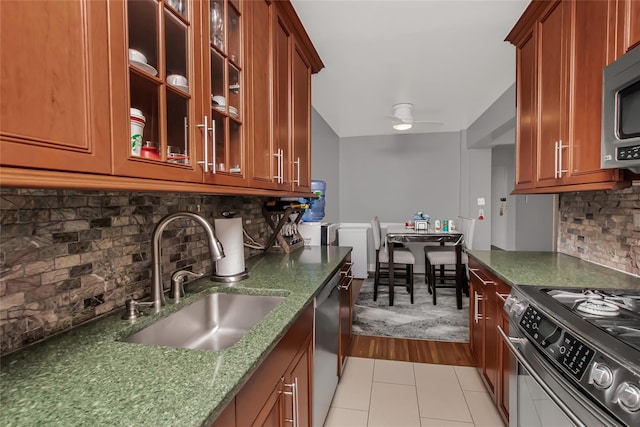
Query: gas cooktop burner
{"points": [[598, 302], [616, 312], [598, 307]]}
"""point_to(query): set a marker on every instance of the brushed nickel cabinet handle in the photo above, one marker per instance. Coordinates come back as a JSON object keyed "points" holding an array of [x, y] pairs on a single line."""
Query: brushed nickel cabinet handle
{"points": [[560, 148], [476, 311], [297, 181], [295, 402], [205, 127]]}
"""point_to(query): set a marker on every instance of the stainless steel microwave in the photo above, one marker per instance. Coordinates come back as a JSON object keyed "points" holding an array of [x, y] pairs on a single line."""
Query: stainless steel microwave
{"points": [[621, 113]]}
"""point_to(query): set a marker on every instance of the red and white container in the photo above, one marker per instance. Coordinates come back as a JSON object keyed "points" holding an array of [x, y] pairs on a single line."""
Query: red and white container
{"points": [[137, 129]]}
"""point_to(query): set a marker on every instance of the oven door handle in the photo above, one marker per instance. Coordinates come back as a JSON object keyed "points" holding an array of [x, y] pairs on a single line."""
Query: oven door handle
{"points": [[511, 343]]}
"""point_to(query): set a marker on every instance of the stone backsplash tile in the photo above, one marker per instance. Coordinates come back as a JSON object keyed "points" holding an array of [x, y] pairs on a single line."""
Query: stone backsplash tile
{"points": [[597, 226], [68, 256]]}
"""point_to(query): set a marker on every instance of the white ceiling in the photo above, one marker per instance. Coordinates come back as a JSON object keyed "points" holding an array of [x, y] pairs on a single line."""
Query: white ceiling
{"points": [[448, 58]]}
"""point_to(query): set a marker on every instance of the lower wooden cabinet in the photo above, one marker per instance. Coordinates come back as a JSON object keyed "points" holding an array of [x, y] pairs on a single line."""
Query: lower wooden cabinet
{"points": [[487, 295], [504, 361], [227, 418], [346, 313], [279, 392], [290, 400]]}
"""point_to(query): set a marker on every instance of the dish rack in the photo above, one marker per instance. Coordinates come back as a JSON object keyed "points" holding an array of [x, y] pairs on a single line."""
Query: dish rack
{"points": [[284, 226]]}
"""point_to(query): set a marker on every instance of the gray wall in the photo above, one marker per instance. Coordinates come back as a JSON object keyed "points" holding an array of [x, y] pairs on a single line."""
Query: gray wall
{"points": [[529, 218], [497, 121], [325, 151], [393, 176], [475, 183], [442, 174], [527, 222], [503, 166]]}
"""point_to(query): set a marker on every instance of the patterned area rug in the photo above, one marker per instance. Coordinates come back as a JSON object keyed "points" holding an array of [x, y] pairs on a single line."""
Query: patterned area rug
{"points": [[420, 320]]}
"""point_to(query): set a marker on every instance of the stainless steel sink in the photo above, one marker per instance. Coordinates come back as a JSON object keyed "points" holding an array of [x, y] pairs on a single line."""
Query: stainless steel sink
{"points": [[214, 322]]}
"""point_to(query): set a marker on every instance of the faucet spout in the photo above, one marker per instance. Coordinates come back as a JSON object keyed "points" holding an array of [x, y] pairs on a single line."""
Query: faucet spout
{"points": [[215, 250]]}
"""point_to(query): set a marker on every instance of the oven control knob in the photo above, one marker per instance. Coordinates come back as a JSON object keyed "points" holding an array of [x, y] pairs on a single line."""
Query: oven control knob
{"points": [[601, 376], [509, 302], [628, 397], [518, 308]]}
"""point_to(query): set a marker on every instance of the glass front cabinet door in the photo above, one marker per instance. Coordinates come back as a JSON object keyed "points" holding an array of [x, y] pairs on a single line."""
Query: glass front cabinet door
{"points": [[179, 115], [222, 92]]}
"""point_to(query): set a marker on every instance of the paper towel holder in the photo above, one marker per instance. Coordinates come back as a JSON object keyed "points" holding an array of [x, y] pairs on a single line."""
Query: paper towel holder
{"points": [[232, 278], [231, 268]]}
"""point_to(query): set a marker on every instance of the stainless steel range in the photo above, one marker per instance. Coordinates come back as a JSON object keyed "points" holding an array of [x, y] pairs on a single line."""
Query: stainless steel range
{"points": [[577, 357]]}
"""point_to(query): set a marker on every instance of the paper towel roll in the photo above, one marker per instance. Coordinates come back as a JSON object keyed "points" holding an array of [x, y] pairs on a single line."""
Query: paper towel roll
{"points": [[229, 232]]}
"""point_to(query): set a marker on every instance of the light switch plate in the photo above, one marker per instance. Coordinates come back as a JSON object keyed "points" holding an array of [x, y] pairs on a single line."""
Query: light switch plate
{"points": [[481, 201]]}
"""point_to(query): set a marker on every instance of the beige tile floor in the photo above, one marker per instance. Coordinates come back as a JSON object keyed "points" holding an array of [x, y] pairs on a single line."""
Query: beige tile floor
{"points": [[386, 393]]}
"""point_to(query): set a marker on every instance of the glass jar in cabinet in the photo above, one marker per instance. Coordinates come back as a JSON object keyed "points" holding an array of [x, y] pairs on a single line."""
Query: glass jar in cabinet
{"points": [[224, 150], [159, 140]]}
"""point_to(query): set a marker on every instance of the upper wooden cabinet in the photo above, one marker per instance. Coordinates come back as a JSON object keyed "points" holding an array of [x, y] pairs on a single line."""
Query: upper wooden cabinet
{"points": [[279, 102], [190, 90], [217, 92], [629, 13], [301, 120], [260, 110], [54, 85], [562, 47]]}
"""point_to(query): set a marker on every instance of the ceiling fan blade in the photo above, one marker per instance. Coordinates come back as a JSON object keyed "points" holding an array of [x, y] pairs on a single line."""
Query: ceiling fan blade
{"points": [[435, 122], [395, 119]]}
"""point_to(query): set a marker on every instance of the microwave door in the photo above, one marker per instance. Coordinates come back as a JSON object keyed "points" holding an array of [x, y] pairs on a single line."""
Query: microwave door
{"points": [[620, 144], [628, 123]]}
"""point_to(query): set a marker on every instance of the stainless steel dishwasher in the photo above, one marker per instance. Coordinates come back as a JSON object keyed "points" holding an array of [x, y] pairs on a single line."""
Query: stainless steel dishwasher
{"points": [[325, 355]]}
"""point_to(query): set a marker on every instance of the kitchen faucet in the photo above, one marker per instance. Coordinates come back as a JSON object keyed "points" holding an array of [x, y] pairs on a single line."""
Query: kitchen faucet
{"points": [[215, 250]]}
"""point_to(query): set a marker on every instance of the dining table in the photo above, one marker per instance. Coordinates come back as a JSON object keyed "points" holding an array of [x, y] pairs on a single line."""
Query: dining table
{"points": [[400, 234]]}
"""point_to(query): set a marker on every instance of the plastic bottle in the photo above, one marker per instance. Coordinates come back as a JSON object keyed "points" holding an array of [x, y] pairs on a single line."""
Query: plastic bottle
{"points": [[437, 225], [316, 212]]}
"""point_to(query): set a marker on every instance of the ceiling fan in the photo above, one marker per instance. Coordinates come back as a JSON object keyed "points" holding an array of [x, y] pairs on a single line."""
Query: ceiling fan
{"points": [[402, 118]]}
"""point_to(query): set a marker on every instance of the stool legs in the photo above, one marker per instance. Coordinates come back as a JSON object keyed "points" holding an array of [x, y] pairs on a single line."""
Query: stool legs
{"points": [[409, 273]]}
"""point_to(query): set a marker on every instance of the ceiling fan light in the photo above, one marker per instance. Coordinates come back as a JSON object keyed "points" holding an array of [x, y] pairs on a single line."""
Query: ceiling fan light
{"points": [[402, 126]]}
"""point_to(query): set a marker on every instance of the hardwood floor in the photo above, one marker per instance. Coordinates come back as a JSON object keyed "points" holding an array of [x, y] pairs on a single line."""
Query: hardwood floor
{"points": [[407, 350], [421, 351]]}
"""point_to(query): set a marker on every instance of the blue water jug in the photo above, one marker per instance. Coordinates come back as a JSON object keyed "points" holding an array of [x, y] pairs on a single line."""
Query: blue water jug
{"points": [[316, 211]]}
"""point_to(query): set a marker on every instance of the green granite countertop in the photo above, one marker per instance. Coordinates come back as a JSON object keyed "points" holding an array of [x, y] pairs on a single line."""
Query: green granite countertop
{"points": [[87, 376], [552, 269]]}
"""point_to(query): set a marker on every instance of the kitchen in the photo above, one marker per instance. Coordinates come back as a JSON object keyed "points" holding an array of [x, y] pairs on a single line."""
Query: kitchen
{"points": [[55, 269]]}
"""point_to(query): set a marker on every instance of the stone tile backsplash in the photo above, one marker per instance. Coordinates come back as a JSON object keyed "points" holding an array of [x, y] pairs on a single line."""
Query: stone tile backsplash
{"points": [[597, 226], [68, 256]]}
